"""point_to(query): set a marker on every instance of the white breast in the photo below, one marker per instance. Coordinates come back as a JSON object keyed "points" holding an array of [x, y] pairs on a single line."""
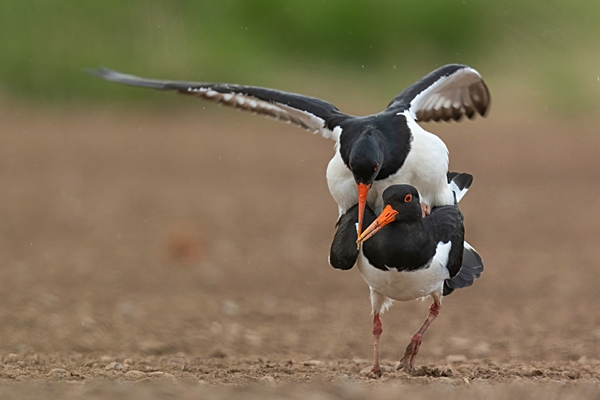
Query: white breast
{"points": [[408, 285], [342, 185]]}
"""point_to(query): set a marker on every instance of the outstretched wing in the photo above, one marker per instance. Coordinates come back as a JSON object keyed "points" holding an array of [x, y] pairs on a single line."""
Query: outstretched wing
{"points": [[309, 113], [445, 94]]}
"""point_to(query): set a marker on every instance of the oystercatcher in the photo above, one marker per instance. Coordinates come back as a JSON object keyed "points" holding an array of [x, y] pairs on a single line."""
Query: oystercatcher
{"points": [[371, 152], [405, 256]]}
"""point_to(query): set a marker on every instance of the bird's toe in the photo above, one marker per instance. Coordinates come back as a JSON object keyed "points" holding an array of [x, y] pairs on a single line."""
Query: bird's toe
{"points": [[425, 209], [375, 373]]}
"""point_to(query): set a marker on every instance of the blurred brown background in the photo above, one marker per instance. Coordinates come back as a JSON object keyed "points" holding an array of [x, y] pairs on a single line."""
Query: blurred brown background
{"points": [[139, 224]]}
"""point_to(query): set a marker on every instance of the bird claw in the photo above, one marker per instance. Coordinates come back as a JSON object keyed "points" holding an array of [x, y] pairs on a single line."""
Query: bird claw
{"points": [[404, 366], [408, 370], [405, 362], [408, 360], [425, 209], [375, 373]]}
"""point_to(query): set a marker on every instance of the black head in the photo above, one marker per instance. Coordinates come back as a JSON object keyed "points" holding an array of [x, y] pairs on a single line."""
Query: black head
{"points": [[366, 159], [401, 204], [405, 200]]}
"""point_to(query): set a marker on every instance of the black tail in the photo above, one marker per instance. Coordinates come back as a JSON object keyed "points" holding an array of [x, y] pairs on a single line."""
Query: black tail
{"points": [[471, 269]]}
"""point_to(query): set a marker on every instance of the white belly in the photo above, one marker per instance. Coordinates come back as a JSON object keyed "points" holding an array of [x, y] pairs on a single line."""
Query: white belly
{"points": [[408, 285]]}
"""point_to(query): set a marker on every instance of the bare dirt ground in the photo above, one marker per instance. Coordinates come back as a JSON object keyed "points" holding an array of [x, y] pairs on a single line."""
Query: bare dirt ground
{"points": [[150, 255]]}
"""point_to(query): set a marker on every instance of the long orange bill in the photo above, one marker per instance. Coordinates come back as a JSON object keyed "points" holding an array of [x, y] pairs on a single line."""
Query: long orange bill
{"points": [[363, 191], [387, 215]]}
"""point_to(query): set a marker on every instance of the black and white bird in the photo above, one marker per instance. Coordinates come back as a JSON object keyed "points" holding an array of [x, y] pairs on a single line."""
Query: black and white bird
{"points": [[405, 256], [371, 152]]}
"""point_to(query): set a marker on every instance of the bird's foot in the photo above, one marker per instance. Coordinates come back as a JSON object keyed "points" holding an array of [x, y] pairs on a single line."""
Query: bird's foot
{"points": [[408, 360], [425, 209], [375, 372], [404, 367], [407, 369]]}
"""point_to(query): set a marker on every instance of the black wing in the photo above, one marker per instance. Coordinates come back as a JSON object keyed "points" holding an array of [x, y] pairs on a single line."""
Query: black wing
{"points": [[447, 93], [344, 252], [310, 113], [472, 264], [445, 224]]}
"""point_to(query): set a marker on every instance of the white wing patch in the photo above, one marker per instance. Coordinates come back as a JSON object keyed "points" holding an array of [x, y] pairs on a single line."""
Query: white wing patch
{"points": [[458, 193], [452, 97], [278, 111]]}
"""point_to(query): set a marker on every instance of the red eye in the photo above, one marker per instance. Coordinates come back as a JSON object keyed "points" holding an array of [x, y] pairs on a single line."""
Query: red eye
{"points": [[376, 166], [408, 198]]}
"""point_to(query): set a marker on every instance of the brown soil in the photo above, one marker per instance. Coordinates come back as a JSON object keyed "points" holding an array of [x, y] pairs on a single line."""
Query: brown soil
{"points": [[153, 249]]}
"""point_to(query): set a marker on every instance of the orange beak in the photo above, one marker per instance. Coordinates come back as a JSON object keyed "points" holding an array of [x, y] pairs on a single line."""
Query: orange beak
{"points": [[387, 215], [363, 191]]}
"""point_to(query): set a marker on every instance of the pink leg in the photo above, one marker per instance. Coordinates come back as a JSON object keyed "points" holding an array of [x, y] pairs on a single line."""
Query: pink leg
{"points": [[377, 329], [412, 349]]}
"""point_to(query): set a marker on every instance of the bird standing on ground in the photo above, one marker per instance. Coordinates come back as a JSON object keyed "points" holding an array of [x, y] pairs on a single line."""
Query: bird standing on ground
{"points": [[405, 256], [371, 152]]}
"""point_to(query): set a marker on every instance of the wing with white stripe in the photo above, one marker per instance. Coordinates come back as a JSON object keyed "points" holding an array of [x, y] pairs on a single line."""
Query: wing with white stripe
{"points": [[309, 113], [448, 93], [459, 184]]}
